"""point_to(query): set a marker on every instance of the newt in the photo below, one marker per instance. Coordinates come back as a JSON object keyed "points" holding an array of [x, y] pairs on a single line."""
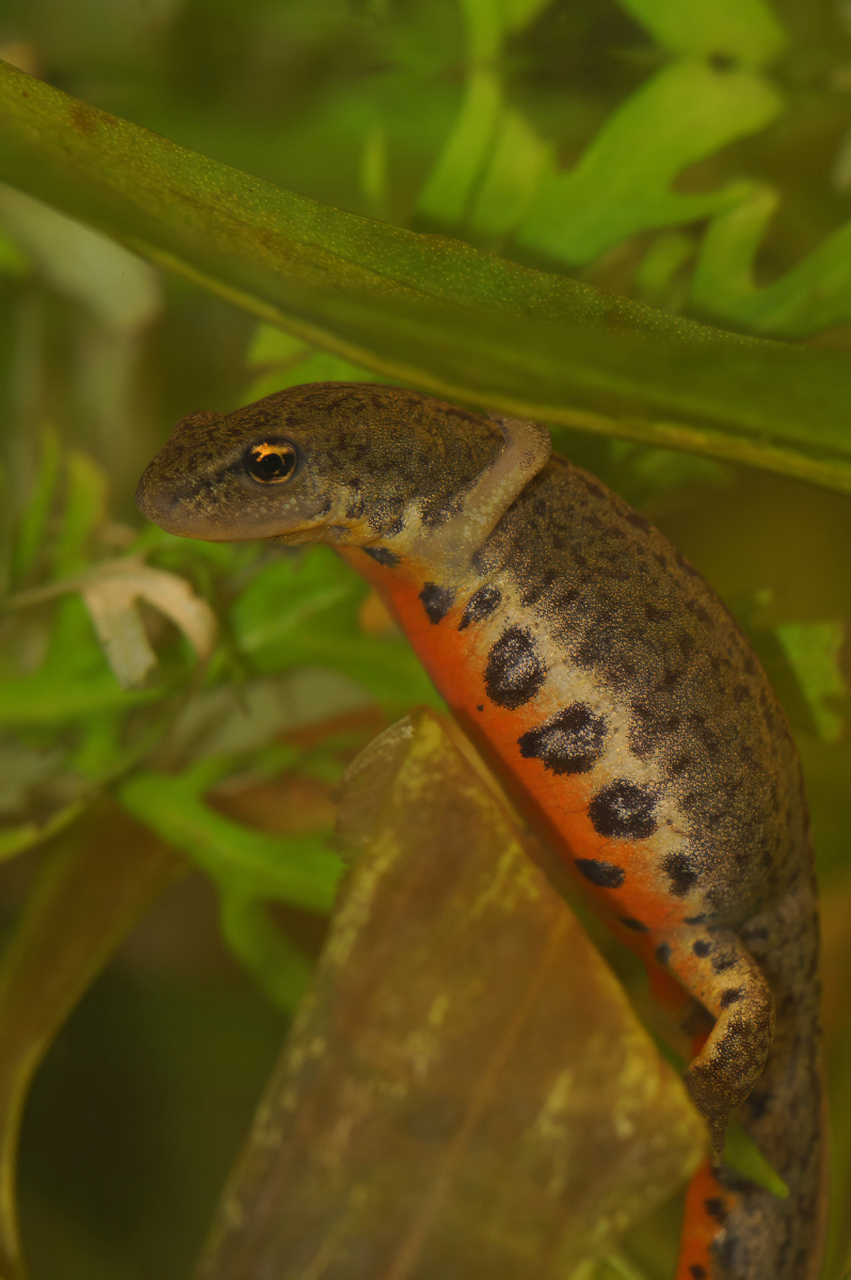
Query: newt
{"points": [[611, 690]]}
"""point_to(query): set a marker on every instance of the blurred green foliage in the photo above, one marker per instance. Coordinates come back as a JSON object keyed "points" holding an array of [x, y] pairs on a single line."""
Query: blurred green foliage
{"points": [[694, 157]]}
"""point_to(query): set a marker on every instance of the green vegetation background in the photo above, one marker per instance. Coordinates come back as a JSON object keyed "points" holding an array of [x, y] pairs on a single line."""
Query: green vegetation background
{"points": [[694, 157]]}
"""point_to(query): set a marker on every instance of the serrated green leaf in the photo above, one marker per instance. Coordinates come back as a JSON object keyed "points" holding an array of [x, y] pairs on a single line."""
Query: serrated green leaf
{"points": [[813, 295], [623, 183]]}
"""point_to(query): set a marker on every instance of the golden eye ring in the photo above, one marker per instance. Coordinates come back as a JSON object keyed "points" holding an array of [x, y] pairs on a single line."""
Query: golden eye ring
{"points": [[271, 461]]}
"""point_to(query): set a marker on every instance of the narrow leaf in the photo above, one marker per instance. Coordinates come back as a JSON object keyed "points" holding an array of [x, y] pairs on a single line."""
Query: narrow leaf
{"points": [[433, 312]]}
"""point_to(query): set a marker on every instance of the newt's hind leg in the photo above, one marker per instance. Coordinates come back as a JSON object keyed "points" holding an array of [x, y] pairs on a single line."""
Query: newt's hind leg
{"points": [[713, 965]]}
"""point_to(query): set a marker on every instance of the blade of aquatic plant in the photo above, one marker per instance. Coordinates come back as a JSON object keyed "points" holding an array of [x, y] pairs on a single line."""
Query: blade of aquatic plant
{"points": [[433, 312], [85, 900]]}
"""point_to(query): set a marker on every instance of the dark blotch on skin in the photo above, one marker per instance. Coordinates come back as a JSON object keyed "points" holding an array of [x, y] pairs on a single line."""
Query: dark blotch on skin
{"points": [[514, 673], [716, 1208], [731, 996], [437, 601], [663, 953], [679, 868], [623, 810], [630, 922], [604, 874], [569, 742], [383, 555], [701, 947], [698, 1272], [480, 606]]}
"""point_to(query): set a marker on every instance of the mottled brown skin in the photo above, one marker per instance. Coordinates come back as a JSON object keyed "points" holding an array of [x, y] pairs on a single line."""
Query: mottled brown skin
{"points": [[606, 682]]}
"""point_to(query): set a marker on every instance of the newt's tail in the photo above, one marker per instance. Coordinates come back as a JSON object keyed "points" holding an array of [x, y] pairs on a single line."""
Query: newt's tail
{"points": [[734, 1229]]}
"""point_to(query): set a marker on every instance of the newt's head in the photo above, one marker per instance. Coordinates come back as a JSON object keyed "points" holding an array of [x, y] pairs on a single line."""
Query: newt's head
{"points": [[342, 462]]}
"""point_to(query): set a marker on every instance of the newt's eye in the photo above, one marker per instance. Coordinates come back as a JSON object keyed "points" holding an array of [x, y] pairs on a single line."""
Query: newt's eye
{"points": [[272, 462]]}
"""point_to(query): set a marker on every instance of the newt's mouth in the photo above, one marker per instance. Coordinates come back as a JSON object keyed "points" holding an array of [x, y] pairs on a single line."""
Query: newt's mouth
{"points": [[194, 519]]}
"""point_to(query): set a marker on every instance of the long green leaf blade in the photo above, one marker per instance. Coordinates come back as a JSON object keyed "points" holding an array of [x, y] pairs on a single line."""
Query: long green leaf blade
{"points": [[430, 311]]}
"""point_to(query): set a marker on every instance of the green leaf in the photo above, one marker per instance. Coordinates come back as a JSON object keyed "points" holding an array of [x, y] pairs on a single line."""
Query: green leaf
{"points": [[85, 509], [814, 651], [33, 523], [623, 181], [447, 192], [431, 312], [518, 161], [303, 611], [814, 294], [741, 30], [301, 871], [743, 1155], [280, 968], [53, 697]]}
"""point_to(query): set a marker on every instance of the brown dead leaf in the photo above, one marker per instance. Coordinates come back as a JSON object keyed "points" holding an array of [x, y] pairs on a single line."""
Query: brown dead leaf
{"points": [[467, 1091], [88, 894], [112, 591]]}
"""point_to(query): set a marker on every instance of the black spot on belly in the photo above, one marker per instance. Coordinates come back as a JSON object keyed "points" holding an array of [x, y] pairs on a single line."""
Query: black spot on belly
{"points": [[663, 952], [681, 873], [630, 922], [569, 742], [697, 1271], [623, 810], [383, 555], [514, 673], [604, 874], [437, 601], [480, 606], [731, 996], [701, 947], [716, 1208]]}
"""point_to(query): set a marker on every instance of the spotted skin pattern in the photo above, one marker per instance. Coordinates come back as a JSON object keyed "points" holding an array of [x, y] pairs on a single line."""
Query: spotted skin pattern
{"points": [[624, 710]]}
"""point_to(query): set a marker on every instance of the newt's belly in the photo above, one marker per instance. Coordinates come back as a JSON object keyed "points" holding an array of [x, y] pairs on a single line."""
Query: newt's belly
{"points": [[616, 698], [560, 741]]}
